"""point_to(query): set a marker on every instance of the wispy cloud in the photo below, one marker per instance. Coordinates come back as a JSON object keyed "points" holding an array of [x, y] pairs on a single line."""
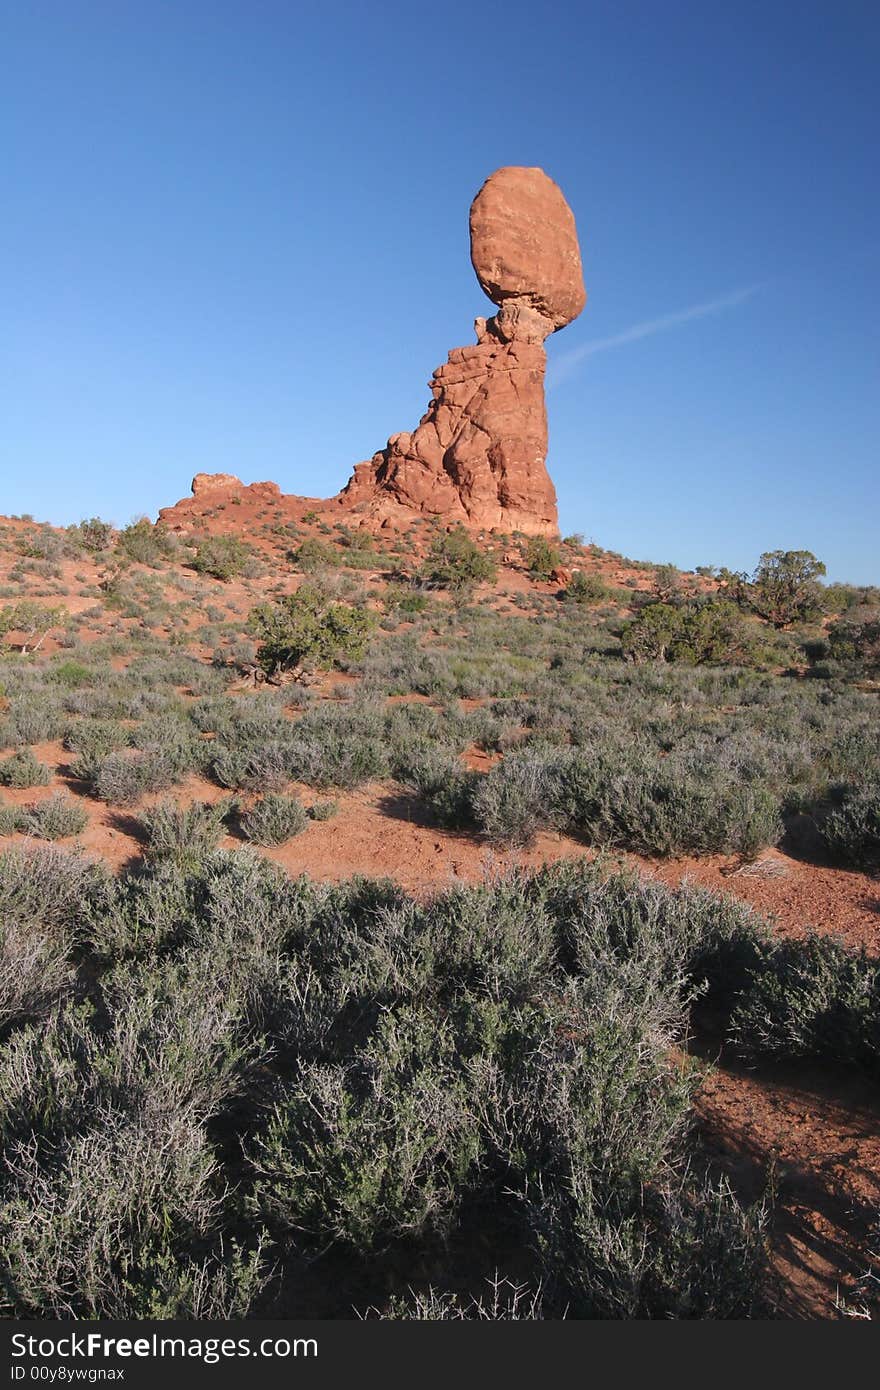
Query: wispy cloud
{"points": [[565, 365]]}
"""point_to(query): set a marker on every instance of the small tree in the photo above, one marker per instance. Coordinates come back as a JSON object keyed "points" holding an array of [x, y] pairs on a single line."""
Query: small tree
{"points": [[785, 587], [31, 618], [713, 632], [666, 586], [649, 635], [93, 535], [306, 627], [456, 562], [542, 558], [222, 557], [854, 641], [587, 588]]}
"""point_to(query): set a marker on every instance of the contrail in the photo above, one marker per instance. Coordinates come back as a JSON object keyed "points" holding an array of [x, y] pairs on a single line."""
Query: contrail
{"points": [[564, 365]]}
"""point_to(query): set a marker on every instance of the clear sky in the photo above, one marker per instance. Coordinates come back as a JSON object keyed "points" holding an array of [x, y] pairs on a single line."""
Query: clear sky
{"points": [[235, 239]]}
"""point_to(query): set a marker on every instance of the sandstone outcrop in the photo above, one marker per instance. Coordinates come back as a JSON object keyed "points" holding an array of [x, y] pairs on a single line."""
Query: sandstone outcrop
{"points": [[214, 482], [478, 454]]}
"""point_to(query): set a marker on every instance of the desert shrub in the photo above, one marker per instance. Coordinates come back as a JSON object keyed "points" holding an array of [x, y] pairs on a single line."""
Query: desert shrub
{"points": [[624, 797], [541, 557], [515, 798], [147, 544], [587, 588], [23, 769], [221, 557], [785, 587], [707, 631], [44, 543], [91, 740], [122, 778], [851, 829], [35, 716], [854, 642], [347, 1066], [10, 819], [34, 620], [313, 555], [174, 742], [71, 674], [371, 1150], [305, 627], [265, 767], [36, 969], [55, 819], [811, 998], [184, 834], [323, 810], [92, 535], [50, 887], [273, 820], [440, 779], [456, 562], [337, 758]]}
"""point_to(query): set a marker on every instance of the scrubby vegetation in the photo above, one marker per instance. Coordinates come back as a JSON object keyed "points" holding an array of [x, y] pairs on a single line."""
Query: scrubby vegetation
{"points": [[224, 1089]]}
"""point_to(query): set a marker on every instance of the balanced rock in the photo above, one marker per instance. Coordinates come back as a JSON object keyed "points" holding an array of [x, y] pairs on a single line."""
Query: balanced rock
{"points": [[524, 250], [478, 454]]}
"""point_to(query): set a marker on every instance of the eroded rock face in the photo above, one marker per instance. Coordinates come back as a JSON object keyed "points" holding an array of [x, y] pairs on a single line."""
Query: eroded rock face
{"points": [[478, 454], [214, 482]]}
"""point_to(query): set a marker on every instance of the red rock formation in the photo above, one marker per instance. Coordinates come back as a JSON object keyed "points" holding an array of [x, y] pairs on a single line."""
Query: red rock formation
{"points": [[478, 454], [214, 482]]}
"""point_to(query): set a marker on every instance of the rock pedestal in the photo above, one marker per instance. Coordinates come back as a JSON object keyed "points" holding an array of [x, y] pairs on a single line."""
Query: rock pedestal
{"points": [[478, 454]]}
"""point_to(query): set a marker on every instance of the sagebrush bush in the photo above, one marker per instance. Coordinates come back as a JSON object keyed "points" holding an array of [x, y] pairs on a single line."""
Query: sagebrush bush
{"points": [[184, 834], [221, 557], [851, 829], [273, 820], [55, 819], [23, 769], [209, 1071]]}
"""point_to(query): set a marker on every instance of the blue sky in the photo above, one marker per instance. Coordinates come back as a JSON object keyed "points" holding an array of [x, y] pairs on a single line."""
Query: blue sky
{"points": [[235, 239]]}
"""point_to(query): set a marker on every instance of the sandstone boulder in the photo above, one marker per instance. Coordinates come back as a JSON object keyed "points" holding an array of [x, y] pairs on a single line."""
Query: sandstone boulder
{"points": [[524, 250]]}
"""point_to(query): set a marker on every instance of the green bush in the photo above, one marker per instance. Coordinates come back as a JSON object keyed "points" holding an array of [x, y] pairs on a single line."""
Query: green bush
{"points": [[55, 819], [147, 544], [587, 588], [23, 769], [313, 555], [184, 834], [221, 557], [541, 557], [274, 820], [93, 535], [854, 642], [306, 627], [811, 999], [851, 830], [785, 587], [702, 632], [456, 562], [73, 675], [35, 620]]}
